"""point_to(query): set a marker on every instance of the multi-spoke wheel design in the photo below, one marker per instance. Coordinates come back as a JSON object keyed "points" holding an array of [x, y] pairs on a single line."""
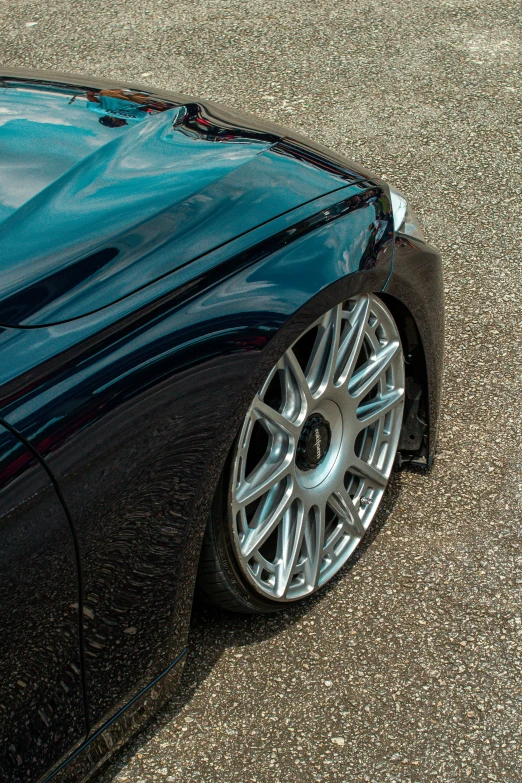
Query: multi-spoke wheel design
{"points": [[310, 464], [316, 450]]}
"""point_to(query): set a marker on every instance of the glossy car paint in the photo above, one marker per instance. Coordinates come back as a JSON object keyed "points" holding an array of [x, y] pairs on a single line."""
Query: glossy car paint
{"points": [[41, 700], [134, 407], [115, 213]]}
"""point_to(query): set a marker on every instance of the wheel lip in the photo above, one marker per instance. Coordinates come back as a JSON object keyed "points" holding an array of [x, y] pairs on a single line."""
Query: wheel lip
{"points": [[377, 493]]}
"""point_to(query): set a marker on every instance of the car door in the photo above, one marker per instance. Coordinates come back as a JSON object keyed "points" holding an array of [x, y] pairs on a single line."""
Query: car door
{"points": [[42, 711]]}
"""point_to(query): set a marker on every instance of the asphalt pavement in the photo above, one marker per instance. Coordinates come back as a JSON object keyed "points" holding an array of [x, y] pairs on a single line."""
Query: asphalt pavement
{"points": [[409, 666]]}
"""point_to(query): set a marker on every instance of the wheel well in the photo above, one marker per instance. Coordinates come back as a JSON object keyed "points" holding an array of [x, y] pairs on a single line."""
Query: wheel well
{"points": [[413, 445]]}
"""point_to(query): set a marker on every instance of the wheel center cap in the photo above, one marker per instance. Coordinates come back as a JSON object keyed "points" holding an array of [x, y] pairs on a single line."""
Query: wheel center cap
{"points": [[314, 442]]}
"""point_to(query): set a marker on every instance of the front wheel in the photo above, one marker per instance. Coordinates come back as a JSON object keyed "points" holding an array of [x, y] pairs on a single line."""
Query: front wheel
{"points": [[310, 464]]}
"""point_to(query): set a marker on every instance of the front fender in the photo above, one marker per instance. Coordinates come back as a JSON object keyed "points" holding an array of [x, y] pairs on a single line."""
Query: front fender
{"points": [[136, 420]]}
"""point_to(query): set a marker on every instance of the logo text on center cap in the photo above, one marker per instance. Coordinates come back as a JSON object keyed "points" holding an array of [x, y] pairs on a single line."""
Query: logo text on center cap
{"points": [[313, 443]]}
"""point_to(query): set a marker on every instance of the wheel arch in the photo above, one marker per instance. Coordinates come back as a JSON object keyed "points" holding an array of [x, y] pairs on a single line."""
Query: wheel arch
{"points": [[413, 445], [415, 296]]}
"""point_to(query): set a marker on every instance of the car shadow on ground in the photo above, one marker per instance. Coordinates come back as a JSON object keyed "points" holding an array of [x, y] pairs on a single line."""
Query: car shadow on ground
{"points": [[213, 632]]}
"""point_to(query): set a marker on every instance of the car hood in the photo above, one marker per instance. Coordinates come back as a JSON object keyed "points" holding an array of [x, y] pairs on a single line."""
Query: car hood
{"points": [[103, 192]]}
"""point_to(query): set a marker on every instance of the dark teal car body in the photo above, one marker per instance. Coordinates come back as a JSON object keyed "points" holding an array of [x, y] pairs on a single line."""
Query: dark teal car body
{"points": [[157, 254]]}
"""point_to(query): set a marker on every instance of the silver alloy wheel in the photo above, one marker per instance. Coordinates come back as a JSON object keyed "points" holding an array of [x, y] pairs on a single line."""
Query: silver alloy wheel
{"points": [[316, 450]]}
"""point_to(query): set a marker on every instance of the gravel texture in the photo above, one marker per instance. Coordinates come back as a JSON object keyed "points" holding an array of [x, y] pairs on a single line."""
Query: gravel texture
{"points": [[409, 666]]}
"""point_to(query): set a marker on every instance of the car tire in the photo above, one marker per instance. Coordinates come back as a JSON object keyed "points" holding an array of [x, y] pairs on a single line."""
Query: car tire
{"points": [[310, 464]]}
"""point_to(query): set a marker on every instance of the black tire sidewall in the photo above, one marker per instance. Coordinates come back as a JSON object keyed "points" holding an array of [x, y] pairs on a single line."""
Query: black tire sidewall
{"points": [[221, 540]]}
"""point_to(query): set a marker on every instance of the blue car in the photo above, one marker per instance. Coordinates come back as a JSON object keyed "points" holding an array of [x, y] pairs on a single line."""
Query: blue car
{"points": [[217, 339]]}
